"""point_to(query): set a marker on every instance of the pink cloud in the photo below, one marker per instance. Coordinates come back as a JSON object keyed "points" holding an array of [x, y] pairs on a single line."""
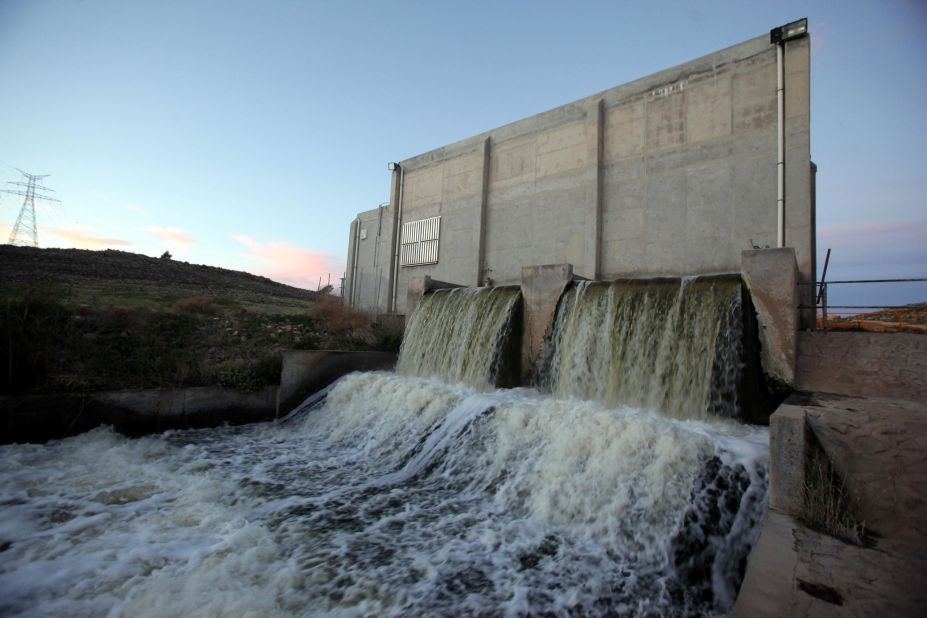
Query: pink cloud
{"points": [[80, 236], [171, 235], [281, 261]]}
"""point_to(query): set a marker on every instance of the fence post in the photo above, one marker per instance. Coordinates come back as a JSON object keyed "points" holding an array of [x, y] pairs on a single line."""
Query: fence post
{"points": [[824, 304]]}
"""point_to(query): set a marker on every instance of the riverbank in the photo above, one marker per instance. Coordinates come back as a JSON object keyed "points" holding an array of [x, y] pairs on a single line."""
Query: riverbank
{"points": [[77, 322]]}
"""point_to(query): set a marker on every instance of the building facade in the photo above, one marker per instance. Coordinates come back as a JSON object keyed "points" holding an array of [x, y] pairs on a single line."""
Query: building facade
{"points": [[673, 174]]}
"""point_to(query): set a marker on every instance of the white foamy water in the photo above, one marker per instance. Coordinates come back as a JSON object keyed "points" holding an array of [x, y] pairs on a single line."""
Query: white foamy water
{"points": [[398, 496]]}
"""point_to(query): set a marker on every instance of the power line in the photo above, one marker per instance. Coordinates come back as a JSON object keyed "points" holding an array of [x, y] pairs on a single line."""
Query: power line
{"points": [[26, 230]]}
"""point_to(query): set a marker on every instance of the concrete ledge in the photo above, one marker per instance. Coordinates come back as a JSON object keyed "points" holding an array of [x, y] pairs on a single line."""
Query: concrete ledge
{"points": [[769, 583], [879, 448], [771, 276], [795, 572], [307, 371], [889, 365]]}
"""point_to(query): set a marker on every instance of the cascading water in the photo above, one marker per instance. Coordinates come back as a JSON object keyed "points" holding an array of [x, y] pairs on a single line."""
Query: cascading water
{"points": [[668, 345], [458, 335], [393, 495]]}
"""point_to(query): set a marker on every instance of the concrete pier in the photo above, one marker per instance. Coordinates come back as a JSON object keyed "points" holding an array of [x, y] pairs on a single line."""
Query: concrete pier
{"points": [[541, 289]]}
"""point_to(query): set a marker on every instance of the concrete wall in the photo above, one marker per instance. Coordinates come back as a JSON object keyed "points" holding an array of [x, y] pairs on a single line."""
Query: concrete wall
{"points": [[672, 174], [891, 365], [368, 286], [38, 418], [877, 449], [306, 371]]}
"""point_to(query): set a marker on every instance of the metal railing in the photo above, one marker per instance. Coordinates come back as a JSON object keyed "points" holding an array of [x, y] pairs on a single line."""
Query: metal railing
{"points": [[825, 310]]}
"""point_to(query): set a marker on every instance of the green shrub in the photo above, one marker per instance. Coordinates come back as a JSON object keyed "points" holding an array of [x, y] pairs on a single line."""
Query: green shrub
{"points": [[249, 375], [33, 326]]}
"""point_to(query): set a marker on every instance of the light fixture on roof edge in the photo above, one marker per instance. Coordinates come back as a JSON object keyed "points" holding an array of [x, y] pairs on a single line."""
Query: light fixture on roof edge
{"points": [[792, 30]]}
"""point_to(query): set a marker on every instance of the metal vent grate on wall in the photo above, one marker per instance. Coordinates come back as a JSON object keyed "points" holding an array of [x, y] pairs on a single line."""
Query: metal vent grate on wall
{"points": [[420, 242]]}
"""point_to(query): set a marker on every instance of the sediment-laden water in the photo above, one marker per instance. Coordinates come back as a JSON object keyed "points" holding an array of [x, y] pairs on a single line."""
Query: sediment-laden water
{"points": [[398, 496], [668, 345], [458, 334]]}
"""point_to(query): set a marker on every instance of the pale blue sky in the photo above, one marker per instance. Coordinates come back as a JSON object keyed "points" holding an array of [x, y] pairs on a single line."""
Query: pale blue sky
{"points": [[252, 132]]}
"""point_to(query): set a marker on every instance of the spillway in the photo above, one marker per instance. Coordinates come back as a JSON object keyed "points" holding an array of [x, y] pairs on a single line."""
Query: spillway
{"points": [[422, 492], [672, 345], [459, 335]]}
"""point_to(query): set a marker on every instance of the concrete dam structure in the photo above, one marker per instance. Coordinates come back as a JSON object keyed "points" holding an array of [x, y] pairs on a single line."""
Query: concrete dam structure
{"points": [[566, 441], [675, 174]]}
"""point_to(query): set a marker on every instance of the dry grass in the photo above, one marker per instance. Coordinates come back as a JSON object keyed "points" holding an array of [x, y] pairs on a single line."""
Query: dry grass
{"points": [[828, 506], [341, 320], [200, 305]]}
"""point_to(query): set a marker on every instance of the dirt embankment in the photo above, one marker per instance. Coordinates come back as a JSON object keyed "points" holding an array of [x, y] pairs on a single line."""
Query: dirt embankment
{"points": [[78, 321]]}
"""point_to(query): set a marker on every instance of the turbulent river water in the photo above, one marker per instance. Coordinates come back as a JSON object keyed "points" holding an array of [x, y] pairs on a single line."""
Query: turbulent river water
{"points": [[396, 494]]}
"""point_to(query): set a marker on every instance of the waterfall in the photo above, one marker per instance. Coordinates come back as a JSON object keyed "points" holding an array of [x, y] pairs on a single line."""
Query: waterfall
{"points": [[665, 344], [400, 494], [459, 335]]}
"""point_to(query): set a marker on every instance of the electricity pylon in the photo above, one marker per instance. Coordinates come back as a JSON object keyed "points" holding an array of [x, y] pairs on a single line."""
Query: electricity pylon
{"points": [[26, 231]]}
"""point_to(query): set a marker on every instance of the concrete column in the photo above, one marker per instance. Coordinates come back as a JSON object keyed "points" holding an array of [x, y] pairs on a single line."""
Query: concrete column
{"points": [[484, 204], [394, 197], [789, 440], [541, 288], [772, 278]]}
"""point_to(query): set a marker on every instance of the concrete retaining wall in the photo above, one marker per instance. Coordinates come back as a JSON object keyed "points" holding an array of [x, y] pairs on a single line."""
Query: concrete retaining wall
{"points": [[891, 365], [673, 174], [38, 418], [307, 371], [877, 449]]}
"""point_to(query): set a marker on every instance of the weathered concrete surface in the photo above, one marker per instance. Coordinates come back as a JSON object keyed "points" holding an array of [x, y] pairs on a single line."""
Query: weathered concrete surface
{"points": [[796, 572], [789, 439], [892, 365], [769, 583], [541, 288], [307, 371], [672, 174], [771, 276], [38, 418], [420, 286], [879, 446]]}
